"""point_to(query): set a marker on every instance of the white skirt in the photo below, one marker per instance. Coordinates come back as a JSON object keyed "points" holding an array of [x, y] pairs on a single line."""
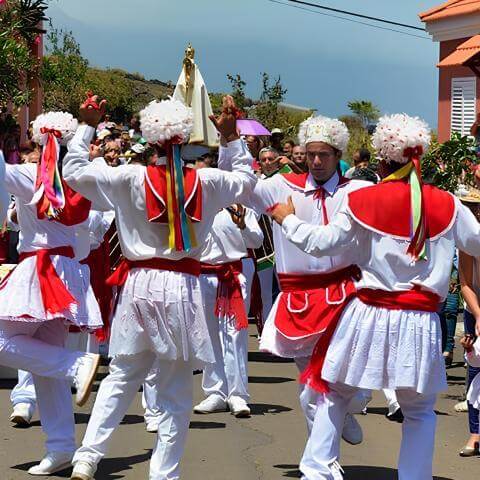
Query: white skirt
{"points": [[376, 348], [161, 311], [275, 342], [473, 395], [21, 299]]}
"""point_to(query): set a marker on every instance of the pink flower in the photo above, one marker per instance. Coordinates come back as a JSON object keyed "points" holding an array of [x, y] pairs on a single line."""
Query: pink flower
{"points": [[38, 38]]}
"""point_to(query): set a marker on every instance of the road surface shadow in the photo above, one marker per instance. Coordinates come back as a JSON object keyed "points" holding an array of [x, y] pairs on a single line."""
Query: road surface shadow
{"points": [[267, 358], [206, 425], [270, 379], [356, 472], [383, 411], [263, 408], [352, 472]]}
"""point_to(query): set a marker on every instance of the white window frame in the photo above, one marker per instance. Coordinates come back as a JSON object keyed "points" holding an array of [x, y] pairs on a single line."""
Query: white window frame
{"points": [[463, 114]]}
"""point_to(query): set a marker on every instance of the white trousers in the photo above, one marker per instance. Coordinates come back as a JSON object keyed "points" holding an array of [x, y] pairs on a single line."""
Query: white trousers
{"points": [[418, 435], [266, 285], [38, 348], [228, 376], [24, 390], [309, 397], [117, 391]]}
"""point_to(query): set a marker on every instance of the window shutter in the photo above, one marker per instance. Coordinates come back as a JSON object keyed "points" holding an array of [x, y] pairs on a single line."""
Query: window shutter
{"points": [[464, 99]]}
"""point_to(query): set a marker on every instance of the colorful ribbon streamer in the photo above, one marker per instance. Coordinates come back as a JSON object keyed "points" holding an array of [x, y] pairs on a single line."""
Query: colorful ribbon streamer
{"points": [[412, 170], [181, 235], [50, 195]]}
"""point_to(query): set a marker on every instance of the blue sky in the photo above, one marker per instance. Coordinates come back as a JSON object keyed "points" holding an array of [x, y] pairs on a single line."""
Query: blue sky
{"points": [[323, 62]]}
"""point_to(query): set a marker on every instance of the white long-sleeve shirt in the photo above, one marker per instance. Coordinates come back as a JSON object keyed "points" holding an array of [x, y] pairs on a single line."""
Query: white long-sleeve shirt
{"points": [[277, 189], [383, 260], [34, 234], [228, 243], [124, 188]]}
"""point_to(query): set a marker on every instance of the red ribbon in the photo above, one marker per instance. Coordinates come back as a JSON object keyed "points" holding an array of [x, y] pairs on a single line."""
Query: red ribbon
{"points": [[89, 102], [230, 300], [55, 295]]}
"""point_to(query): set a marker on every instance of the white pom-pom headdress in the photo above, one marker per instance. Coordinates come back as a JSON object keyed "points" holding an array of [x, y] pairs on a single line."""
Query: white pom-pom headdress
{"points": [[166, 120], [324, 129], [62, 122], [403, 139], [396, 134]]}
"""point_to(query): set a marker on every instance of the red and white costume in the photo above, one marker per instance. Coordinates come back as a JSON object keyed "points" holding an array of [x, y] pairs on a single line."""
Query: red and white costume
{"points": [[33, 324], [225, 247], [312, 289], [388, 337], [159, 316]]}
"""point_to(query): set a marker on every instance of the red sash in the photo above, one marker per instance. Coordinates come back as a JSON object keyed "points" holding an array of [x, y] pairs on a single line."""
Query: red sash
{"points": [[230, 300], [414, 299], [99, 264], [184, 265], [156, 194], [55, 295]]}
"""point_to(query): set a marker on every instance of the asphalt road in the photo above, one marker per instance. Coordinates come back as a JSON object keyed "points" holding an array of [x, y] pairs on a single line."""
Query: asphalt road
{"points": [[266, 446]]}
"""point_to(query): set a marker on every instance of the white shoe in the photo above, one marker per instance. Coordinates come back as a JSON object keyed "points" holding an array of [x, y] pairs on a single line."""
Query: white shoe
{"points": [[52, 462], [238, 406], [22, 414], [85, 377], [151, 427], [83, 471], [212, 404], [352, 431], [461, 406]]}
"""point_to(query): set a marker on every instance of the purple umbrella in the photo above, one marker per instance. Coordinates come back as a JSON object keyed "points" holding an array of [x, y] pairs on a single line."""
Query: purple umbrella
{"points": [[249, 126]]}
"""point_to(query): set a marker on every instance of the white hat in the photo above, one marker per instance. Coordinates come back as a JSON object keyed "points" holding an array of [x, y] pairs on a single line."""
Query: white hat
{"points": [[276, 130], [395, 133], [138, 148], [104, 134], [165, 120], [324, 129], [63, 122]]}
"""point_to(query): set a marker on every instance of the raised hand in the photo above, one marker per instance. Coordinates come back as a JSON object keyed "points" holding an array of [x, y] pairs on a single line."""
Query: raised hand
{"points": [[91, 112], [226, 123]]}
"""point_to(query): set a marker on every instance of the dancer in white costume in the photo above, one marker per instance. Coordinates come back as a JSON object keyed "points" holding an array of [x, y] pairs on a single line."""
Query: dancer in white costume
{"points": [[389, 336], [48, 291], [310, 287], [225, 382], [159, 316]]}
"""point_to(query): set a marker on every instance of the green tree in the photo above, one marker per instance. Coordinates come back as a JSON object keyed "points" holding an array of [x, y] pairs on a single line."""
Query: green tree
{"points": [[359, 137], [266, 110], [238, 90], [19, 20], [446, 165], [366, 111], [64, 72]]}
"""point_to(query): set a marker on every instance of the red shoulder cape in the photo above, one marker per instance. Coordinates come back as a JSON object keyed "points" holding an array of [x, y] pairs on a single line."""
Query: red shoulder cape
{"points": [[386, 209], [156, 194], [299, 180]]}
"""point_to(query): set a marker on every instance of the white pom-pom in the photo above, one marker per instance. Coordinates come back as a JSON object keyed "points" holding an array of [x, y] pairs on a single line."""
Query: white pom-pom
{"points": [[395, 133], [324, 129], [164, 120], [64, 122]]}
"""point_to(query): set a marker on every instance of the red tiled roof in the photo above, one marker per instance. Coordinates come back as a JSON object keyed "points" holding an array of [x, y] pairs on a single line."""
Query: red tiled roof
{"points": [[452, 8], [462, 53]]}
